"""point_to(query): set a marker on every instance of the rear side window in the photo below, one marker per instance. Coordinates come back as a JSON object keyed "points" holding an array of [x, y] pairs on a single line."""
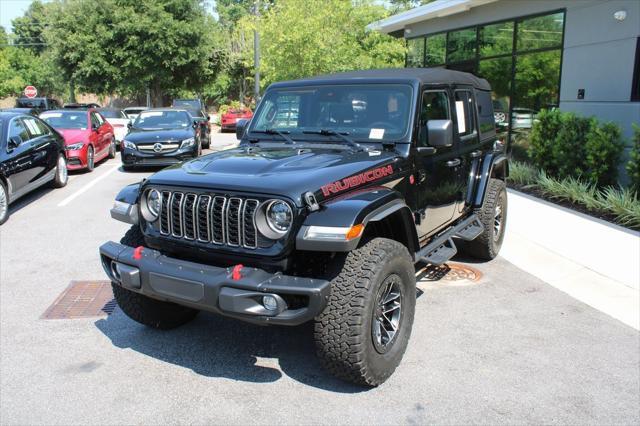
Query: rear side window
{"points": [[34, 129], [465, 112], [486, 119]]}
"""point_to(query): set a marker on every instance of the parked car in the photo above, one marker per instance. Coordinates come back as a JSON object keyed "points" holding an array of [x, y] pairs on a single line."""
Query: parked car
{"points": [[323, 220], [160, 137], [132, 112], [202, 118], [522, 118], [31, 155], [31, 111], [188, 104], [88, 137], [39, 104], [118, 120], [81, 105], [229, 119]]}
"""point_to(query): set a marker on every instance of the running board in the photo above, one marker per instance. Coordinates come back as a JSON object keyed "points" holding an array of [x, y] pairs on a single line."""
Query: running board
{"points": [[442, 248]]}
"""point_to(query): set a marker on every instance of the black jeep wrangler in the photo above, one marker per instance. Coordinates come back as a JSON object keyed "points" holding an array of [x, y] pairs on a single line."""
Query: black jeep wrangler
{"points": [[341, 184]]}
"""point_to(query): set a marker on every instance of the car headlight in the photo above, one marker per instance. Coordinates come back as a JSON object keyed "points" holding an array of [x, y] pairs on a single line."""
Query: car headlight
{"points": [[129, 144], [74, 147], [274, 219], [188, 143], [150, 205]]}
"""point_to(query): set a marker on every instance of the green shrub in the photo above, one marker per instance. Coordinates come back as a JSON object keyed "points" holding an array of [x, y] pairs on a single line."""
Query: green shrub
{"points": [[566, 145], [522, 174], [623, 203], [633, 166]]}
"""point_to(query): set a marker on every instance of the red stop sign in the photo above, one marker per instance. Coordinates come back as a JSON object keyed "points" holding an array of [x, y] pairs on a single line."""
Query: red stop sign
{"points": [[30, 92]]}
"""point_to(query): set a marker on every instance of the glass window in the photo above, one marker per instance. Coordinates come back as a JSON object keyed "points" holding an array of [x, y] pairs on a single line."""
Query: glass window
{"points": [[435, 106], [65, 119], [18, 129], [464, 112], [537, 80], [43, 127], [368, 112], [461, 45], [415, 52], [496, 39], [541, 32], [156, 120], [486, 118], [436, 50], [33, 127], [95, 121]]}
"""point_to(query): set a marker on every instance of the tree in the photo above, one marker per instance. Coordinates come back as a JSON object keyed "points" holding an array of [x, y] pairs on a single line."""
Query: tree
{"points": [[28, 29], [301, 39]]}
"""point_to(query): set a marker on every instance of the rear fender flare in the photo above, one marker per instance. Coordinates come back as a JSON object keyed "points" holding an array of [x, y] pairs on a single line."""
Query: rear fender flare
{"points": [[493, 166]]}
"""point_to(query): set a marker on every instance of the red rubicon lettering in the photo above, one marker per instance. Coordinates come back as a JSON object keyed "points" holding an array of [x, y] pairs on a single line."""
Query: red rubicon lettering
{"points": [[357, 180]]}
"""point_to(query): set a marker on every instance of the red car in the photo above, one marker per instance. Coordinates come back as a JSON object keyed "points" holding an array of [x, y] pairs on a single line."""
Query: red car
{"points": [[229, 119], [88, 137]]}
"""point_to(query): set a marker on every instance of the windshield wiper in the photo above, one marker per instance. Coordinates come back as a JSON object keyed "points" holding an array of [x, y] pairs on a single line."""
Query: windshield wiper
{"points": [[282, 133], [342, 135]]}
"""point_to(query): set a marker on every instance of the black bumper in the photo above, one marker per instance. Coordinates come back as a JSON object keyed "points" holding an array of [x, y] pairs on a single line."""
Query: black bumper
{"points": [[214, 289]]}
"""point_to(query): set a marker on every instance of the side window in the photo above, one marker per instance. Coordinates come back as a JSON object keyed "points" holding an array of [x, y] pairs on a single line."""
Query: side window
{"points": [[100, 118], [486, 119], [435, 106], [464, 112], [18, 129], [43, 127], [34, 129], [94, 120]]}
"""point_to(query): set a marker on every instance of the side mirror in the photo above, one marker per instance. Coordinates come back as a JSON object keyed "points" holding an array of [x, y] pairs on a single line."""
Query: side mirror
{"points": [[14, 142], [241, 126], [439, 133], [95, 126]]}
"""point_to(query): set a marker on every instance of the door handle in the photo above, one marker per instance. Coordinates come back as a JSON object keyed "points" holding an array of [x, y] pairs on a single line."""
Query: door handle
{"points": [[453, 163], [475, 154]]}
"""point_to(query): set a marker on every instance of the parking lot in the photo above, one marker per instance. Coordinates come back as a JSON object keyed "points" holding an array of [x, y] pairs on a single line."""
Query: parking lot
{"points": [[490, 344]]}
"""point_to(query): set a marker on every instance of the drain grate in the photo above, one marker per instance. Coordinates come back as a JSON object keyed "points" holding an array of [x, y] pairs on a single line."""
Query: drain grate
{"points": [[450, 272], [82, 299]]}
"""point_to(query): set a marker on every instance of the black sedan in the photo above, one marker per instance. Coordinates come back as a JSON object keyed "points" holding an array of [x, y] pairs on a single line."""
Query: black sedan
{"points": [[31, 155], [160, 137]]}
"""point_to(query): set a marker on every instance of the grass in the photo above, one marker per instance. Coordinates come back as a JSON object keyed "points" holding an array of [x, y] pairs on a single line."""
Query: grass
{"points": [[620, 203]]}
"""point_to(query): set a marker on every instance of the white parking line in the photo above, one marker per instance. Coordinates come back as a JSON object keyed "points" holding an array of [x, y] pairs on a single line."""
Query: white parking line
{"points": [[88, 186]]}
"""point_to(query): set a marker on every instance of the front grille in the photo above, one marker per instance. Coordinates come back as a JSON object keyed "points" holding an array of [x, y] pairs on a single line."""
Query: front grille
{"points": [[211, 219], [166, 147]]}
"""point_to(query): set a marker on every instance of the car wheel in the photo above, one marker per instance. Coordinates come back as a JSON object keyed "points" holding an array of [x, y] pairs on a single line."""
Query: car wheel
{"points": [[207, 144], [112, 149], [493, 215], [62, 176], [4, 204], [362, 334], [90, 159], [150, 312]]}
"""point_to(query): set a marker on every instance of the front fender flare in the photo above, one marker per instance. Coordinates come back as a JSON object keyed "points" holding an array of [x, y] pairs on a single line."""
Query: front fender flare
{"points": [[125, 207]]}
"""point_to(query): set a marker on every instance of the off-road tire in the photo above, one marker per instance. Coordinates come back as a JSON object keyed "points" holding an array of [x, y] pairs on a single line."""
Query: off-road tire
{"points": [[343, 331], [150, 312], [486, 246]]}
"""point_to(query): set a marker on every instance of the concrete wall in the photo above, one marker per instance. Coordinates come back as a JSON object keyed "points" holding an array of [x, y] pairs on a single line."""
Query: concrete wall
{"points": [[599, 52]]}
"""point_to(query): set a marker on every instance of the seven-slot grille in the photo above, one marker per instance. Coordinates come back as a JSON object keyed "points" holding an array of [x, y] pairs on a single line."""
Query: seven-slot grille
{"points": [[209, 218]]}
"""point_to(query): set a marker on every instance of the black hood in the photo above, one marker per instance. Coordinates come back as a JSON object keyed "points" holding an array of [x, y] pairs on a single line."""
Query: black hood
{"points": [[285, 171], [166, 135]]}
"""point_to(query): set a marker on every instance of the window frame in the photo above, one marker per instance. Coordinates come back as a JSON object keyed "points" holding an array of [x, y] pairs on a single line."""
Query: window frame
{"points": [[422, 141]]}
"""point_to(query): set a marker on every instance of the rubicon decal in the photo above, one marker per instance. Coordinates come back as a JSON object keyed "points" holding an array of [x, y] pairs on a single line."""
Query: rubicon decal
{"points": [[357, 180]]}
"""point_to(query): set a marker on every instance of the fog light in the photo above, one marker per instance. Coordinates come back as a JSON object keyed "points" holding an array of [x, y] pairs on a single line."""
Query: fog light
{"points": [[270, 303]]}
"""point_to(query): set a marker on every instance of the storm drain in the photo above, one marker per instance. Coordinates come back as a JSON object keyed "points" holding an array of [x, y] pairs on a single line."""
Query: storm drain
{"points": [[82, 299], [449, 272]]}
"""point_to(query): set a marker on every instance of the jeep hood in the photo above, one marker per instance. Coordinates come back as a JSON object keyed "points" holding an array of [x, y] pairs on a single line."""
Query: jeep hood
{"points": [[285, 171]]}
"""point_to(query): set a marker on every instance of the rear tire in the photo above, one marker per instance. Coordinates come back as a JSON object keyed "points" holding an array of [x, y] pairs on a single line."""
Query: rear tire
{"points": [[145, 310], [493, 215], [349, 334]]}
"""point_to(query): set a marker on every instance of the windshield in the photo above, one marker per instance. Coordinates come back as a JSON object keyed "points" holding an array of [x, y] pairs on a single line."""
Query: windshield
{"points": [[162, 120], [112, 113], [196, 113], [367, 112], [66, 119], [187, 103]]}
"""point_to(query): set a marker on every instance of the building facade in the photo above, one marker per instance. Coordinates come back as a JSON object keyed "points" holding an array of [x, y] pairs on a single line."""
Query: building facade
{"points": [[576, 55]]}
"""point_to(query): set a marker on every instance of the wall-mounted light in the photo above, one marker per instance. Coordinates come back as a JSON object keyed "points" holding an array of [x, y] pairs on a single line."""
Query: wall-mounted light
{"points": [[407, 31], [620, 15]]}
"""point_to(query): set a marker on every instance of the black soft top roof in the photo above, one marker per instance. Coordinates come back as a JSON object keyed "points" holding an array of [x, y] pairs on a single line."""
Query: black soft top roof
{"points": [[421, 75]]}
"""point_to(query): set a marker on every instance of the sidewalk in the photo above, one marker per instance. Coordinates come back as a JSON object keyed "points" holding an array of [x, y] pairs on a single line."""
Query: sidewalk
{"points": [[591, 260]]}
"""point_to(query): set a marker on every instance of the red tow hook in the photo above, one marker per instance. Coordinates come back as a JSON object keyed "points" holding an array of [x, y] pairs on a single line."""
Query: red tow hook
{"points": [[235, 274], [137, 253]]}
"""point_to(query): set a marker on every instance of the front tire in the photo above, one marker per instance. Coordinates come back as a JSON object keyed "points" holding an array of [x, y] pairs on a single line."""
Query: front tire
{"points": [[4, 203], [62, 176], [363, 332], [150, 312], [90, 159], [112, 149], [493, 215]]}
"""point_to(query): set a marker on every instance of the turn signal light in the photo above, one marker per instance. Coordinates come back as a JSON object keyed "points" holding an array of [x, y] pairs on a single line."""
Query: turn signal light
{"points": [[354, 232]]}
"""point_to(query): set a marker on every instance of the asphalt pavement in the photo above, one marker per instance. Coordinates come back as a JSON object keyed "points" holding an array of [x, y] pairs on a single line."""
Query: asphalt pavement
{"points": [[506, 348]]}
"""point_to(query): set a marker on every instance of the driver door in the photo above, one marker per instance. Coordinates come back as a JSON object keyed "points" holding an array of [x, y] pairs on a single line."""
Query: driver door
{"points": [[21, 169], [436, 173]]}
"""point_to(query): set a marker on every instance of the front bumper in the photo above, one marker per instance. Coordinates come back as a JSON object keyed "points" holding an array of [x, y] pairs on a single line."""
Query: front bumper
{"points": [[132, 157], [214, 289], [77, 159]]}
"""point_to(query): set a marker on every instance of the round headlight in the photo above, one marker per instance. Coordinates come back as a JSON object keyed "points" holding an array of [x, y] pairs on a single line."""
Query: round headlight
{"points": [[279, 216], [150, 205]]}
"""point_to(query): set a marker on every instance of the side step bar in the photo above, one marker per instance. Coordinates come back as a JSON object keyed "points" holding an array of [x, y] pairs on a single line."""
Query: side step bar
{"points": [[442, 248]]}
